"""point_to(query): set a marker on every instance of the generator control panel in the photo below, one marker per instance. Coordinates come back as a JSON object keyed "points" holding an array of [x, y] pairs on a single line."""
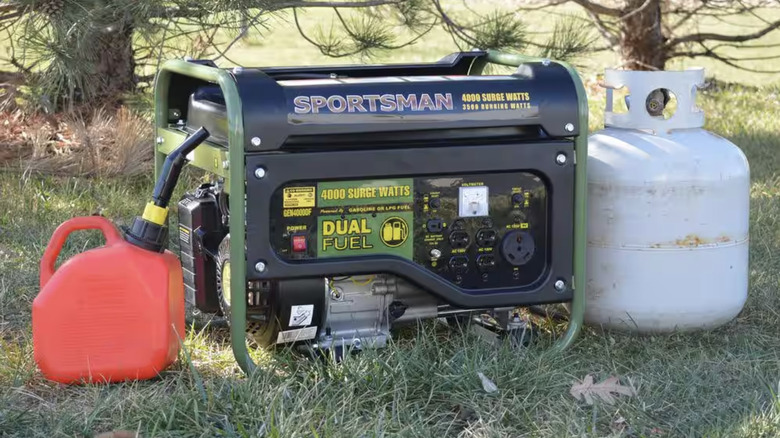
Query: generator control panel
{"points": [[477, 231]]}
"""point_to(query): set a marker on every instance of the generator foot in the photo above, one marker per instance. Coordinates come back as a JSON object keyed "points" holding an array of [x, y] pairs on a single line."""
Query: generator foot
{"points": [[521, 337]]}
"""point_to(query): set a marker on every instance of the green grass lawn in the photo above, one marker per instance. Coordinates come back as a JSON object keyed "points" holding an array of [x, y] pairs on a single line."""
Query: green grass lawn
{"points": [[723, 383]]}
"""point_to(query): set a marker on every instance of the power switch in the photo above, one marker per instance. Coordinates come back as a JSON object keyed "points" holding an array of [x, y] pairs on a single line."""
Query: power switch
{"points": [[299, 243]]}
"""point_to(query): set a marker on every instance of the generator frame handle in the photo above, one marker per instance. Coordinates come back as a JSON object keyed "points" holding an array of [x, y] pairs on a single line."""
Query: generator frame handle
{"points": [[577, 310], [236, 187]]}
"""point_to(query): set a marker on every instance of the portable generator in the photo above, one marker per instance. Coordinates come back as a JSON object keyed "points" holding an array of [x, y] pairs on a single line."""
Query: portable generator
{"points": [[347, 200]]}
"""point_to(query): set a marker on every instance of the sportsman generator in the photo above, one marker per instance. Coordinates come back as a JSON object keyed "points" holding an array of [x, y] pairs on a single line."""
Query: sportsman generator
{"points": [[346, 200]]}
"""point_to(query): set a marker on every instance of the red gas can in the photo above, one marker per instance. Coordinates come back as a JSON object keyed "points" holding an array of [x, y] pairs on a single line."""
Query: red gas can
{"points": [[109, 314]]}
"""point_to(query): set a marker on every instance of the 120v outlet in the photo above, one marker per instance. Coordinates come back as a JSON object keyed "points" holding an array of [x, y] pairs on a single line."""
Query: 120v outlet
{"points": [[459, 239], [518, 247]]}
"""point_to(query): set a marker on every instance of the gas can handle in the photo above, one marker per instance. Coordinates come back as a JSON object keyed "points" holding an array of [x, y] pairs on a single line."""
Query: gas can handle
{"points": [[61, 234]]}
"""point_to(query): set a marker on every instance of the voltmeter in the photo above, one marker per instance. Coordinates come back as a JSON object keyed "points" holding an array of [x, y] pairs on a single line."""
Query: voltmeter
{"points": [[473, 201]]}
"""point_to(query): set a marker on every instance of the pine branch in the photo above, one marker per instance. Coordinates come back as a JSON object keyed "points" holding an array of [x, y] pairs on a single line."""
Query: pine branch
{"points": [[701, 37], [599, 9], [605, 32], [205, 9], [737, 66], [638, 10]]}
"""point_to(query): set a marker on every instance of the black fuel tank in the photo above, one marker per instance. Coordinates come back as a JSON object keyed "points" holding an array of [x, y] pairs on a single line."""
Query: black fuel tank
{"points": [[537, 101]]}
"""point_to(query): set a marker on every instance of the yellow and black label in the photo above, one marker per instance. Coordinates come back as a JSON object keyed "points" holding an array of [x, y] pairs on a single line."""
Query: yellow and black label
{"points": [[297, 212], [184, 234], [366, 193], [394, 232], [522, 226], [496, 101], [364, 233], [297, 197], [345, 234]]}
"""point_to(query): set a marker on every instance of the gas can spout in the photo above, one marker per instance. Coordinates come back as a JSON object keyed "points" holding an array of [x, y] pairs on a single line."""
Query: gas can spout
{"points": [[149, 231], [171, 169]]}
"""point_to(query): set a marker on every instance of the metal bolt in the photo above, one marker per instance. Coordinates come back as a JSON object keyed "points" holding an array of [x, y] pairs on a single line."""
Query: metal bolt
{"points": [[260, 266], [225, 164], [569, 127], [160, 140], [335, 294], [560, 285], [545, 62], [357, 344], [256, 141], [259, 173], [560, 159], [435, 253]]}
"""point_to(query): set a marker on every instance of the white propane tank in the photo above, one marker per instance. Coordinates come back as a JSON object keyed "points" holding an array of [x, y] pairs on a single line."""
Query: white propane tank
{"points": [[668, 209]]}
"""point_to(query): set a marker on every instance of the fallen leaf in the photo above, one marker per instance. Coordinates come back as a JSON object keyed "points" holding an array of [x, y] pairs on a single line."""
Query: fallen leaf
{"points": [[587, 390], [619, 425], [487, 384], [464, 414], [118, 434]]}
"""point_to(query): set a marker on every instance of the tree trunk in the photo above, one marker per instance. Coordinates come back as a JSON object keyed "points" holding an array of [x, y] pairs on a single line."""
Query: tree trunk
{"points": [[115, 66], [641, 36]]}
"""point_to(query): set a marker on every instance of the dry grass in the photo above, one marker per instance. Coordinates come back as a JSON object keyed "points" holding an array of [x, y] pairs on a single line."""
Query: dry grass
{"points": [[104, 143]]}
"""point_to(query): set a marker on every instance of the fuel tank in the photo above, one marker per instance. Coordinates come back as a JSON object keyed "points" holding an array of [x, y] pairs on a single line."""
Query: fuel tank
{"points": [[316, 108], [668, 213]]}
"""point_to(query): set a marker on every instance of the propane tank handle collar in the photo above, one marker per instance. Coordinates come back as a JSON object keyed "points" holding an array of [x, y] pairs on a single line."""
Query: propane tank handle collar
{"points": [[641, 84]]}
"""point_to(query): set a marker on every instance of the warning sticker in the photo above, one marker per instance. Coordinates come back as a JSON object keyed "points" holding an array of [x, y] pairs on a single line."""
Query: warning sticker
{"points": [[296, 335], [299, 197], [301, 315]]}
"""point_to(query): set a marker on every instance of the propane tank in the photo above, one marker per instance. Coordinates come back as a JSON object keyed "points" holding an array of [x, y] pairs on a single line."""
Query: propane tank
{"points": [[115, 312], [668, 210]]}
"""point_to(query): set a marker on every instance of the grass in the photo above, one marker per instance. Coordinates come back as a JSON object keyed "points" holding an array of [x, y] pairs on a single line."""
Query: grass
{"points": [[722, 383]]}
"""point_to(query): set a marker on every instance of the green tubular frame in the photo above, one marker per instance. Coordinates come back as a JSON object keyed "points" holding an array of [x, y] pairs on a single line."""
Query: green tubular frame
{"points": [[235, 182], [210, 158], [577, 312]]}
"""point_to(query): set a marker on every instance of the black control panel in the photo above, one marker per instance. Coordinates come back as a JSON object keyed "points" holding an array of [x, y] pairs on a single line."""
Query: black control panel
{"points": [[480, 231]]}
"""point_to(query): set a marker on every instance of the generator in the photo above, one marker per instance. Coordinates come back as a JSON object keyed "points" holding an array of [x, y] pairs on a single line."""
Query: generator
{"points": [[344, 201]]}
